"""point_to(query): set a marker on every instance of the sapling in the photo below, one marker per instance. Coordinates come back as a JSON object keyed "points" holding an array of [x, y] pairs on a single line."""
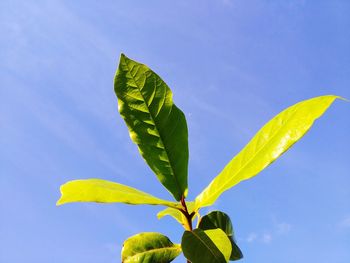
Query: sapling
{"points": [[159, 129]]}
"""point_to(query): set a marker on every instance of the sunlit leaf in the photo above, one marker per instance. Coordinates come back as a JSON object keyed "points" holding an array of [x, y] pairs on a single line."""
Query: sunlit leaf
{"points": [[102, 191], [267, 145], [149, 247], [217, 219], [209, 246], [155, 124], [176, 214]]}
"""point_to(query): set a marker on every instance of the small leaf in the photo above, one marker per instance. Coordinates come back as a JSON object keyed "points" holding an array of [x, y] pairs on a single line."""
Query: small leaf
{"points": [[209, 246], [149, 247], [102, 191], [155, 124], [217, 219], [273, 139], [176, 214]]}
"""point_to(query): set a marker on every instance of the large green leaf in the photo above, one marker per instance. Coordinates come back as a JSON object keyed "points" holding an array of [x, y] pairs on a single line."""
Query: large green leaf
{"points": [[102, 191], [209, 246], [149, 247], [155, 124], [267, 145], [217, 219]]}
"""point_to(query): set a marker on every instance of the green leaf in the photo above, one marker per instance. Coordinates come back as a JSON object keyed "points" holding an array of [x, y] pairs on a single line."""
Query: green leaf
{"points": [[176, 214], [149, 247], [102, 191], [217, 219], [155, 124], [209, 246], [267, 145]]}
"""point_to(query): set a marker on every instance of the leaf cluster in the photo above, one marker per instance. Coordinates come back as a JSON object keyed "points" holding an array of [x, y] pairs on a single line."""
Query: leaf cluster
{"points": [[159, 129]]}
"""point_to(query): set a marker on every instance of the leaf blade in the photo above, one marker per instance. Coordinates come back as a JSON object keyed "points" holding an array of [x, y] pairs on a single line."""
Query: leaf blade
{"points": [[149, 247], [209, 246], [272, 140], [155, 124], [174, 213], [103, 191], [218, 219]]}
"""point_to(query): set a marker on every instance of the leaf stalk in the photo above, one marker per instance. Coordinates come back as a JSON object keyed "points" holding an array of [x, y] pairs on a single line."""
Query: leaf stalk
{"points": [[188, 223]]}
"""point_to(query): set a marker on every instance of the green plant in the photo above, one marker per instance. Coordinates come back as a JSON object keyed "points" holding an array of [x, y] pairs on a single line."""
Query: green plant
{"points": [[159, 129]]}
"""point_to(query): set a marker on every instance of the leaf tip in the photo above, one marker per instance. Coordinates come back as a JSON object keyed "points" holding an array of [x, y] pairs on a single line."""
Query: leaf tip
{"points": [[334, 97], [342, 98], [160, 215], [59, 202], [62, 200], [123, 57]]}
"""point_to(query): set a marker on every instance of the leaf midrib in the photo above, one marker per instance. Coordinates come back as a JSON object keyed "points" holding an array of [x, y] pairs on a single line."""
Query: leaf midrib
{"points": [[249, 161], [198, 237], [135, 194]]}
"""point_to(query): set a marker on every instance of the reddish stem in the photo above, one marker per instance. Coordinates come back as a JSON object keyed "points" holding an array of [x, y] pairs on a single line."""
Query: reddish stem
{"points": [[188, 216]]}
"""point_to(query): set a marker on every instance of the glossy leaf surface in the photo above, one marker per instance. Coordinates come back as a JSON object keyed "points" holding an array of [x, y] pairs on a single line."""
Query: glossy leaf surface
{"points": [[217, 219], [267, 145], [103, 191], [155, 124], [149, 247], [209, 246]]}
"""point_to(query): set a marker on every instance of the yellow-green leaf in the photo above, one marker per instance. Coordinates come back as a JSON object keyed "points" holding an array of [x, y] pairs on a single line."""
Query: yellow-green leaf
{"points": [[103, 191], [221, 241], [218, 219], [209, 246], [155, 124], [149, 247], [176, 214], [267, 145]]}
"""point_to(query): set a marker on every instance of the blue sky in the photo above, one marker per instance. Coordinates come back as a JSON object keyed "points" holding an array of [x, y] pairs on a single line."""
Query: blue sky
{"points": [[232, 65]]}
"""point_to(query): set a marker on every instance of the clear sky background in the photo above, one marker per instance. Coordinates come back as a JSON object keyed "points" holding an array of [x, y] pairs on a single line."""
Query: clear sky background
{"points": [[232, 65]]}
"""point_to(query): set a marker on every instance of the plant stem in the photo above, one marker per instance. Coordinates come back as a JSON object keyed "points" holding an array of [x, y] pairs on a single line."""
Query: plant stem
{"points": [[188, 216]]}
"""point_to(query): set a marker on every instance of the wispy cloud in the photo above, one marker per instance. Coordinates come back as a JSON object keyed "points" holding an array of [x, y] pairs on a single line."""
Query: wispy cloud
{"points": [[66, 128], [252, 237], [268, 235], [345, 222], [264, 238], [283, 228], [267, 238]]}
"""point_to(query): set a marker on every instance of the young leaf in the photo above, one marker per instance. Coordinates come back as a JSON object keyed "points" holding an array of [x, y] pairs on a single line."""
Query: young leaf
{"points": [[102, 191], [209, 246], [149, 247], [176, 214], [155, 124], [217, 219], [267, 145]]}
